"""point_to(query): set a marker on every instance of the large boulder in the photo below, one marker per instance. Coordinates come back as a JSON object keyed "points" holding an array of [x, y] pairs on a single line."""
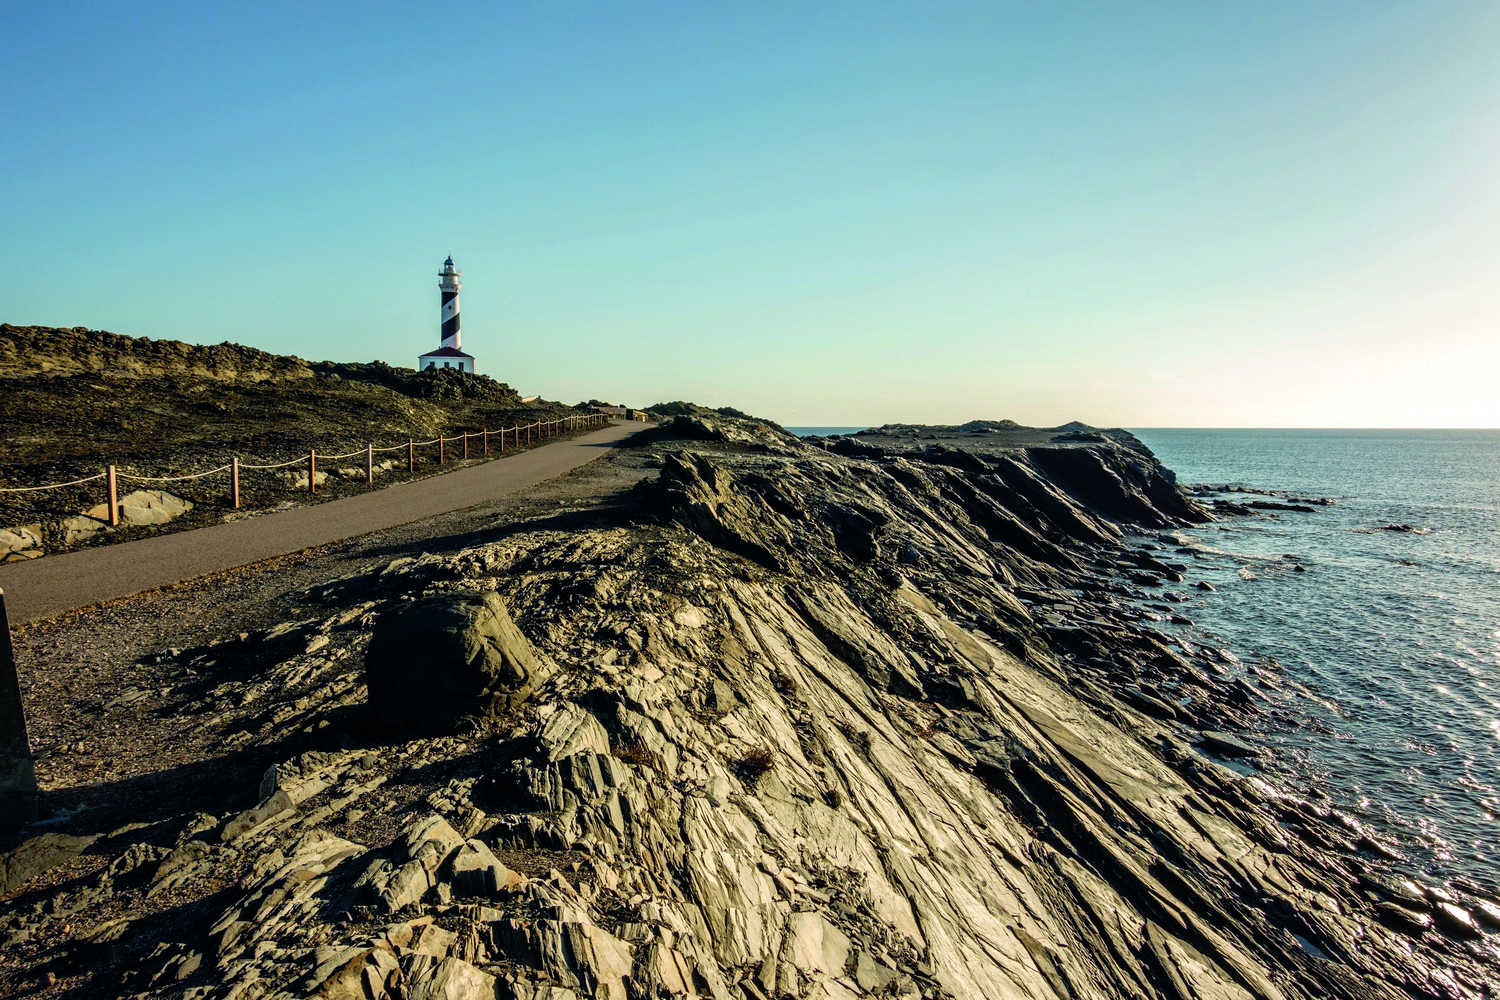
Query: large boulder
{"points": [[449, 656]]}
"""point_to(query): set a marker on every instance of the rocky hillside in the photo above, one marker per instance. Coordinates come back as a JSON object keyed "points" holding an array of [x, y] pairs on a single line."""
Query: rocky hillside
{"points": [[779, 721], [72, 401], [75, 394]]}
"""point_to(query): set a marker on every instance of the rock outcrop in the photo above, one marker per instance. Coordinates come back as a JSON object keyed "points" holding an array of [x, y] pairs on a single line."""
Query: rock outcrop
{"points": [[136, 509], [24, 541], [819, 727]]}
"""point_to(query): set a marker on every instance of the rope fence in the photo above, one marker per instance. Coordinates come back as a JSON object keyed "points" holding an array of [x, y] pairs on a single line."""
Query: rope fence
{"points": [[531, 433], [54, 486], [170, 479]]}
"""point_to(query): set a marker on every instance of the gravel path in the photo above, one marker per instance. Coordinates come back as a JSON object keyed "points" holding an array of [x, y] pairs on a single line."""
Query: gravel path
{"points": [[43, 588]]}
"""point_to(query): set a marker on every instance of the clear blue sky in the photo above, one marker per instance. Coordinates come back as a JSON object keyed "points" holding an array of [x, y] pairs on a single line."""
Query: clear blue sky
{"points": [[1194, 214]]}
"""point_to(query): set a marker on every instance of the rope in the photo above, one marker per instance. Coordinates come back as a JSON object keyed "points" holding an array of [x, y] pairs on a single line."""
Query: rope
{"points": [[278, 465], [171, 479], [54, 486], [331, 458]]}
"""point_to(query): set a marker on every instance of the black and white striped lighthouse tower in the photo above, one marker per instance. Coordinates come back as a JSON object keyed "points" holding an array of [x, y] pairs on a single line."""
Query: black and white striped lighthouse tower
{"points": [[450, 354], [448, 281]]}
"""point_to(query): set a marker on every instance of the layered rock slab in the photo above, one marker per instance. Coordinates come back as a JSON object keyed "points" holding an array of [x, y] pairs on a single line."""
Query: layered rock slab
{"points": [[446, 657]]}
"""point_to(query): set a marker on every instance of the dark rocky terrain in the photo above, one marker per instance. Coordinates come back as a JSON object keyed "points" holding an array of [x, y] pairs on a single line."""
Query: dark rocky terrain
{"points": [[73, 401], [871, 716]]}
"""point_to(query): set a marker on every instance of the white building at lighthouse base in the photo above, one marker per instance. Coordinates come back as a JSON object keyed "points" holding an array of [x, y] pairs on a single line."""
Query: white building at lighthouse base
{"points": [[446, 357]]}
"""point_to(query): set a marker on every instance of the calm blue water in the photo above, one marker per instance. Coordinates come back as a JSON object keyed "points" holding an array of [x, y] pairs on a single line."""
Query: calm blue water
{"points": [[803, 432], [1395, 635]]}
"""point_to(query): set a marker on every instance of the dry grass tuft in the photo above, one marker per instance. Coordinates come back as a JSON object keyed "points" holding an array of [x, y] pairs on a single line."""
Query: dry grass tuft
{"points": [[636, 752], [784, 683], [858, 738], [753, 764]]}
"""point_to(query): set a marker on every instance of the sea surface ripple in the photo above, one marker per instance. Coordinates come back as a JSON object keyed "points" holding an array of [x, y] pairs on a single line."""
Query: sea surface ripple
{"points": [[1390, 637]]}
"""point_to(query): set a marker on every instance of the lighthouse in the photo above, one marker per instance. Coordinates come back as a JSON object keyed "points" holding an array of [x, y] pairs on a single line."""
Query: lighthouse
{"points": [[450, 352]]}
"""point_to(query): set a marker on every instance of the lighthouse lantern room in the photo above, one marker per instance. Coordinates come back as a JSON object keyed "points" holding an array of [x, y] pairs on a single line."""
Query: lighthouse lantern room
{"points": [[450, 353]]}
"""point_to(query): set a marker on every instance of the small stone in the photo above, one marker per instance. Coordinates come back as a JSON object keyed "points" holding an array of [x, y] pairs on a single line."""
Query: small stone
{"points": [[1228, 746], [1455, 920], [1400, 919], [275, 806], [572, 730]]}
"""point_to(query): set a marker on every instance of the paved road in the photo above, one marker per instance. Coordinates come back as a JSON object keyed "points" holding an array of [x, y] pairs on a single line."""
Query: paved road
{"points": [[53, 585]]}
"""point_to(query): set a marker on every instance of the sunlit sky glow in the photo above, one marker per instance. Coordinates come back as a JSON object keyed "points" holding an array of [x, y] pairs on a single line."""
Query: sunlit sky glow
{"points": [[1181, 214]]}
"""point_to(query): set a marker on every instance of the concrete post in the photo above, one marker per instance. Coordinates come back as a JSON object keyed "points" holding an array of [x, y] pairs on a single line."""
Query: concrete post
{"points": [[17, 769]]}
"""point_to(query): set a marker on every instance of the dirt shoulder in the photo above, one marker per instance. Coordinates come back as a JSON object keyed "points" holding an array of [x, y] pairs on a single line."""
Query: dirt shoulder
{"points": [[103, 764]]}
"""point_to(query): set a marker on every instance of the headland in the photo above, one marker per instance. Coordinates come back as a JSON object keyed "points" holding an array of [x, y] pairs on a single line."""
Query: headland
{"points": [[763, 717]]}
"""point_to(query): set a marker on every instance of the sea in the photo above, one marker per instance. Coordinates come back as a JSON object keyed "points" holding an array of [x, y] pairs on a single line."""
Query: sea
{"points": [[1387, 638], [1391, 632]]}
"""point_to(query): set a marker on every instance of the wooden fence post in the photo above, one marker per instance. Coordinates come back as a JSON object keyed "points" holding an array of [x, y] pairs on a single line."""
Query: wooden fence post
{"points": [[486, 440], [411, 456], [312, 470], [17, 767], [370, 463], [466, 446], [234, 481], [114, 498], [440, 449]]}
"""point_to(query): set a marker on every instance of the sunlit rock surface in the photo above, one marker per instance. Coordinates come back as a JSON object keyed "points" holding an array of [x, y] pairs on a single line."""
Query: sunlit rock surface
{"points": [[823, 723]]}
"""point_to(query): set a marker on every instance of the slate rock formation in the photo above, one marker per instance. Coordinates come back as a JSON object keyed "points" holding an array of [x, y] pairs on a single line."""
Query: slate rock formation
{"points": [[822, 726], [446, 657]]}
